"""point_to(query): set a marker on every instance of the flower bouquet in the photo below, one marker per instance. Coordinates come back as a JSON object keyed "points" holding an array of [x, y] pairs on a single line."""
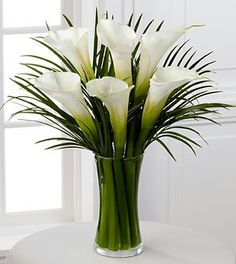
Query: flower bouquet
{"points": [[133, 91]]}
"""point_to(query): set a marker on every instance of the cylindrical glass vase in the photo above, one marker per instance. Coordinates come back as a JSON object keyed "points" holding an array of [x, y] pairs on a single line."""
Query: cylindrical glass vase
{"points": [[118, 232]]}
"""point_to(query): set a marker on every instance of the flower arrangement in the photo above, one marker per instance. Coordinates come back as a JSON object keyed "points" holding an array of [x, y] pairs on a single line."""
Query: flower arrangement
{"points": [[133, 92]]}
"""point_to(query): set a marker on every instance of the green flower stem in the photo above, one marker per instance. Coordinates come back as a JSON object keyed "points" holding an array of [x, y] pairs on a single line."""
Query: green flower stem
{"points": [[118, 227], [118, 151], [139, 147], [108, 228], [90, 73], [141, 91], [133, 130], [113, 224], [101, 237], [131, 181], [122, 204], [137, 173], [130, 141], [129, 80]]}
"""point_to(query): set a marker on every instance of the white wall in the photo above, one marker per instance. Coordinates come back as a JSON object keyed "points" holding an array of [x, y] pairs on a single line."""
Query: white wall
{"points": [[195, 192]]}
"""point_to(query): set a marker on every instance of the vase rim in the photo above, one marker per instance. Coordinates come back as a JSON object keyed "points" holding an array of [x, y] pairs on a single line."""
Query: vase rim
{"points": [[122, 158]]}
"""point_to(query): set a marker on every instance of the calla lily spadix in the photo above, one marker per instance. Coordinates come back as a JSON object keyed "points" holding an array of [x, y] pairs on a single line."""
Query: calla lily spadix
{"points": [[65, 88], [153, 46], [120, 39], [114, 93], [73, 44]]}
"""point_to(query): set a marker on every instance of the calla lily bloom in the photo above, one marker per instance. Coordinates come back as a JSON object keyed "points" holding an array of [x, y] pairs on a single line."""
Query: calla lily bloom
{"points": [[73, 44], [120, 39], [115, 95], [65, 88], [164, 81], [153, 47]]}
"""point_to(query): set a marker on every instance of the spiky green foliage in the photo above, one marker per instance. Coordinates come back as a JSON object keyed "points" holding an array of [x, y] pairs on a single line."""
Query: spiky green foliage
{"points": [[182, 104]]}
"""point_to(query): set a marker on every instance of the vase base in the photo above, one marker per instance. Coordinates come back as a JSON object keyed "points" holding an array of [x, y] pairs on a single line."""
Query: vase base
{"points": [[119, 253]]}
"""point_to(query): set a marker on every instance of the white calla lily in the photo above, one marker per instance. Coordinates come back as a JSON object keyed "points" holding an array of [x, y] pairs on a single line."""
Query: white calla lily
{"points": [[115, 95], [153, 46], [120, 39], [65, 88], [73, 44], [164, 81]]}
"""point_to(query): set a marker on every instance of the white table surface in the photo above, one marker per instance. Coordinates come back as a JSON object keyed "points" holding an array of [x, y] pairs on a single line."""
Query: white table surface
{"points": [[163, 244], [10, 236]]}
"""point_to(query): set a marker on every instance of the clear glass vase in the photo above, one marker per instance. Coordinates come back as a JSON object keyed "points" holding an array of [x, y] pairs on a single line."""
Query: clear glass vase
{"points": [[118, 232]]}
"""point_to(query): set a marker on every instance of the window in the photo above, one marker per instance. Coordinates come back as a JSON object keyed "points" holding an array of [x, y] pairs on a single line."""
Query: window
{"points": [[36, 186]]}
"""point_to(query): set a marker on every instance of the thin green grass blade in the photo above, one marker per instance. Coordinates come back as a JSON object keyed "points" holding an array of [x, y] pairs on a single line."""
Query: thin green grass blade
{"points": [[138, 23], [169, 55], [189, 60], [176, 53], [148, 26], [62, 58], [33, 69], [204, 66], [29, 74], [47, 26], [183, 137], [68, 20], [46, 60], [204, 72], [95, 41], [160, 26], [182, 141], [188, 129], [165, 147], [35, 65], [199, 60], [184, 56], [130, 20]]}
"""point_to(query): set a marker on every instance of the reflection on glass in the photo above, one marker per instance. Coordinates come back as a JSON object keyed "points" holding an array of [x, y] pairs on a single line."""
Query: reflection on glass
{"points": [[33, 175], [28, 13]]}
